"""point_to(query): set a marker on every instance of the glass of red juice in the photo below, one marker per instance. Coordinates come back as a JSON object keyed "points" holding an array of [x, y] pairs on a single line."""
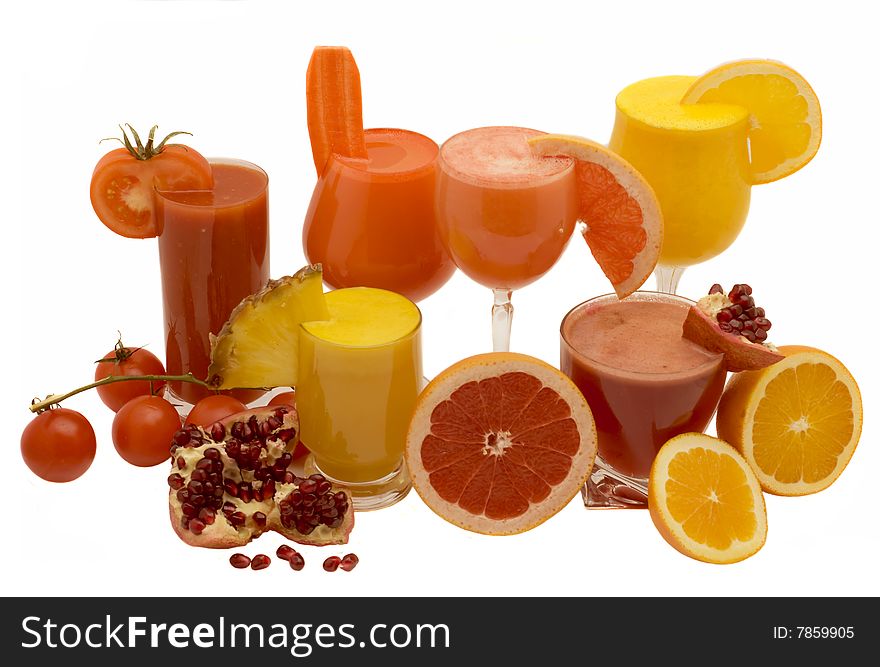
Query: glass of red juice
{"points": [[643, 382], [213, 252]]}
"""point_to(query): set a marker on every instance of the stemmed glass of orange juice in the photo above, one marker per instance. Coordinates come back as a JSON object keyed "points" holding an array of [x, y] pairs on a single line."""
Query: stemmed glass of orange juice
{"points": [[504, 213], [702, 142]]}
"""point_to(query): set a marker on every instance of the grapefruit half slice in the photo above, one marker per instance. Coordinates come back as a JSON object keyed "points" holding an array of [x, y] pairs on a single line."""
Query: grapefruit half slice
{"points": [[499, 443], [624, 224]]}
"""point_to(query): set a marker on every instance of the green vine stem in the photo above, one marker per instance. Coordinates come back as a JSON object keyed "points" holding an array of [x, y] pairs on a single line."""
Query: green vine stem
{"points": [[49, 401]]}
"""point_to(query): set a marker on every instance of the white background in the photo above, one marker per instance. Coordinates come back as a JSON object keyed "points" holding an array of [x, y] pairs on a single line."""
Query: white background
{"points": [[233, 74]]}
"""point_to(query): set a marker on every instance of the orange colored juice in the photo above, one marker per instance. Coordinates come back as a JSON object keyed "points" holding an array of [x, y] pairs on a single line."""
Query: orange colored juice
{"points": [[359, 376], [505, 214], [213, 252], [371, 223]]}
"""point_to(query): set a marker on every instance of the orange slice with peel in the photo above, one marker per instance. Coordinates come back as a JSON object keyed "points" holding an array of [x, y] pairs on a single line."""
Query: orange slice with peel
{"points": [[705, 500], [796, 422], [499, 443], [624, 225], [333, 106], [785, 116]]}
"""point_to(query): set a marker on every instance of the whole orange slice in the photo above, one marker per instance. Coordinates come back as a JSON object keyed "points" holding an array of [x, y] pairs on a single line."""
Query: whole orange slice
{"points": [[705, 500], [797, 422], [500, 442], [784, 112], [624, 225]]}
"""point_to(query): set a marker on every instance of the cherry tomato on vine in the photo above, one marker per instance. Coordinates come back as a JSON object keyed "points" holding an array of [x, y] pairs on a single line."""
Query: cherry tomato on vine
{"points": [[214, 408], [143, 428], [58, 445], [289, 398], [125, 178], [123, 360]]}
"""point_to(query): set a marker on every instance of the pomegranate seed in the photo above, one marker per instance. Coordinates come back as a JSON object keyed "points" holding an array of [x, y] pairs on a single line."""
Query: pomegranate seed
{"points": [[309, 499], [288, 478], [239, 561], [188, 510], [752, 312], [175, 481], [735, 310], [349, 562], [205, 464], [332, 563], [304, 527], [181, 464], [206, 514], [297, 562], [284, 552], [736, 325], [183, 495], [716, 289], [280, 411], [335, 523], [196, 526], [750, 336], [230, 487], [749, 325], [286, 435], [761, 335], [273, 423], [259, 519], [759, 312], [198, 499], [324, 487], [218, 432], [228, 507], [308, 486], [245, 491], [180, 438], [237, 518], [213, 453], [233, 448], [195, 487], [265, 430], [763, 323], [268, 488], [724, 315], [198, 475], [260, 562], [246, 432]]}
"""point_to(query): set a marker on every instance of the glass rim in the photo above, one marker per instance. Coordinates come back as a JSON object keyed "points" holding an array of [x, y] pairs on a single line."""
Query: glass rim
{"points": [[459, 175], [417, 327], [635, 296], [355, 164], [167, 194]]}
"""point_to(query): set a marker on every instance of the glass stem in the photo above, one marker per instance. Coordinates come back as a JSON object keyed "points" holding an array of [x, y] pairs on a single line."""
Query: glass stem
{"points": [[502, 317], [667, 278]]}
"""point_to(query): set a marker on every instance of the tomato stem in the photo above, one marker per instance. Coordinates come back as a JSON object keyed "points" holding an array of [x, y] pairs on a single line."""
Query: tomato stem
{"points": [[49, 401]]}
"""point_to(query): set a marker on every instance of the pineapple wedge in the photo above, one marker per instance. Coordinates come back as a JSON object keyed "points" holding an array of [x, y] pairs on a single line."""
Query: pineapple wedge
{"points": [[258, 347]]}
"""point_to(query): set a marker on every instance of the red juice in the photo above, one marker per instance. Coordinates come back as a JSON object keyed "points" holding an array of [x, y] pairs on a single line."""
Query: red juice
{"points": [[213, 252], [642, 380]]}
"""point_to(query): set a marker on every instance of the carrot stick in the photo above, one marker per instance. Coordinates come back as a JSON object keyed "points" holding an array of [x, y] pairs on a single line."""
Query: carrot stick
{"points": [[334, 107]]}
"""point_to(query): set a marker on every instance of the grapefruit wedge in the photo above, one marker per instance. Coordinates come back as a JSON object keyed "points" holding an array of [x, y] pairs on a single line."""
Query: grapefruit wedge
{"points": [[499, 443], [624, 225]]}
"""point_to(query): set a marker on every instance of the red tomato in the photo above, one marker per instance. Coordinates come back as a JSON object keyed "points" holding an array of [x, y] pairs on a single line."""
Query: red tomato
{"points": [[285, 398], [214, 408], [128, 361], [289, 398], [58, 445], [124, 180], [143, 428]]}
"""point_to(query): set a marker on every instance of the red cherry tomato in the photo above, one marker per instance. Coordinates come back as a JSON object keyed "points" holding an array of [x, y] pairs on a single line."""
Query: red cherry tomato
{"points": [[289, 398], [58, 445], [124, 181], [285, 398], [123, 360], [143, 428], [214, 408]]}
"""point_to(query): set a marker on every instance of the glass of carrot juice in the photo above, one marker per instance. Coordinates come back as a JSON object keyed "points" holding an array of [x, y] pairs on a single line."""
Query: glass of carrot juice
{"points": [[213, 252], [371, 222], [644, 384]]}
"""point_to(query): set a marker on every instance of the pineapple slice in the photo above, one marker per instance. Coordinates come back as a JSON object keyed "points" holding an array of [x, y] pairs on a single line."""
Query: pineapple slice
{"points": [[258, 347]]}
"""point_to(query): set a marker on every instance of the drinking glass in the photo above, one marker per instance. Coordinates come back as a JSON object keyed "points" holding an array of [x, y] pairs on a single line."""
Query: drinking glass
{"points": [[371, 223], [644, 384], [504, 214], [696, 157], [213, 252]]}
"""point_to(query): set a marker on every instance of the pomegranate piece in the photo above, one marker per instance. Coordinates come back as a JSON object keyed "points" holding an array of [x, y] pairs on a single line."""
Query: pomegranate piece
{"points": [[232, 481], [239, 561], [349, 562], [332, 563], [734, 326], [297, 562], [260, 562], [284, 552]]}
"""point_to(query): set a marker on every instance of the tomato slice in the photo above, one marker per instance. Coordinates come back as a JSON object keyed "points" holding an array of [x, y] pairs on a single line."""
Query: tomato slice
{"points": [[122, 186]]}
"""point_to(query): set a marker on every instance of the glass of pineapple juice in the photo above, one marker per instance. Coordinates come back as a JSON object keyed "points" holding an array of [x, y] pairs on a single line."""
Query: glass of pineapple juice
{"points": [[360, 373]]}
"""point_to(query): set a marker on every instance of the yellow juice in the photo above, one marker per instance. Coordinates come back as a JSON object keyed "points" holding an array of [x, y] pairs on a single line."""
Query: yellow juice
{"points": [[359, 375], [696, 158]]}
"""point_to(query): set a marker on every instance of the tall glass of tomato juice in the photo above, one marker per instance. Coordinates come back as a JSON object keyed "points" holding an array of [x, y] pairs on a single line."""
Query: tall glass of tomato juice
{"points": [[213, 252]]}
